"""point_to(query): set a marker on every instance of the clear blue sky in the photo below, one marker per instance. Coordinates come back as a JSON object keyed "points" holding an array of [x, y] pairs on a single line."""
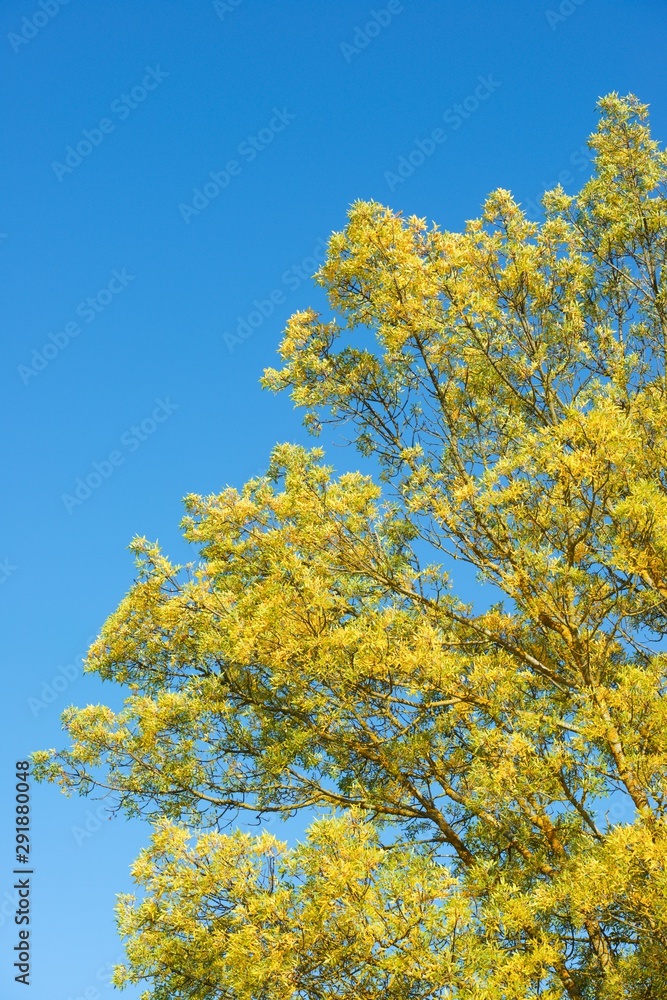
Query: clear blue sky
{"points": [[127, 296]]}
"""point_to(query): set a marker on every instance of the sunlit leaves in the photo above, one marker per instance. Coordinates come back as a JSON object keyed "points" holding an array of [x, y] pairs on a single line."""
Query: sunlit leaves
{"points": [[491, 781]]}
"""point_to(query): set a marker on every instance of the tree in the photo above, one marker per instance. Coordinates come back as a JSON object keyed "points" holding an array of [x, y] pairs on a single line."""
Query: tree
{"points": [[489, 782]]}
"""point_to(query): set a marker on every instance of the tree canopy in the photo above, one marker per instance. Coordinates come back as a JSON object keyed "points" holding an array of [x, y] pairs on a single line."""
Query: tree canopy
{"points": [[489, 783]]}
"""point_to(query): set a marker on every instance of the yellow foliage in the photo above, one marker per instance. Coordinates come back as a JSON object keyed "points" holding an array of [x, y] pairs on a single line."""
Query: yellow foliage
{"points": [[490, 785]]}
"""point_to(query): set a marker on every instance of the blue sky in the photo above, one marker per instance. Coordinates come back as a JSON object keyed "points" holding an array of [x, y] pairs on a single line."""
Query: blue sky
{"points": [[170, 173]]}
